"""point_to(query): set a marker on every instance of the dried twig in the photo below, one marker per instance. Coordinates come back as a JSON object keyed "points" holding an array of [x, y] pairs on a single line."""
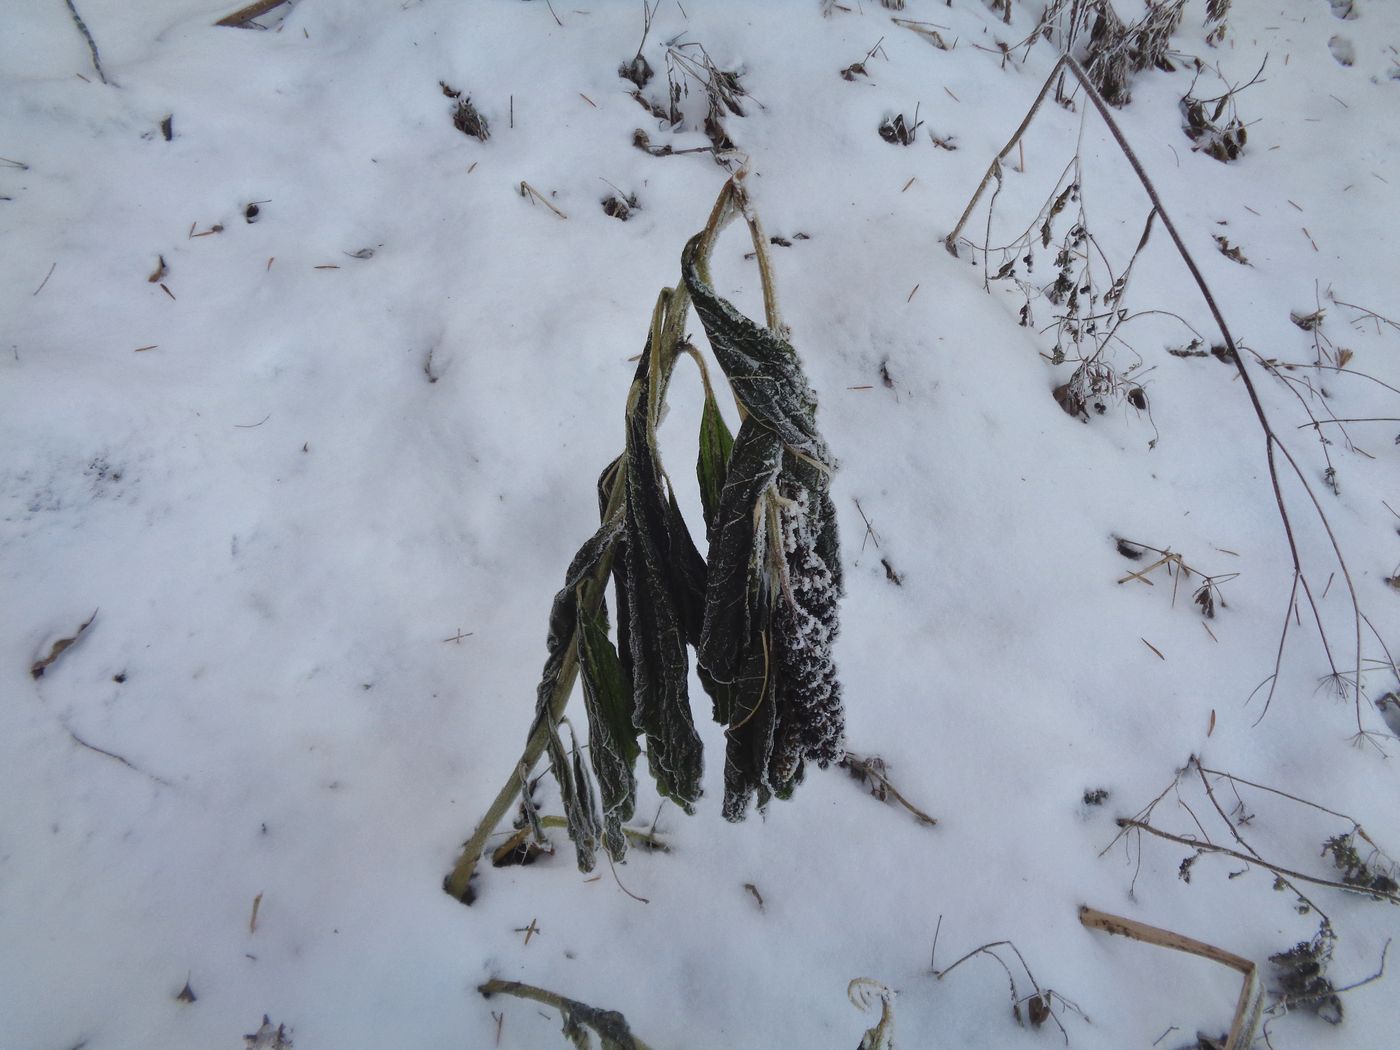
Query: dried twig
{"points": [[873, 769], [113, 755], [1040, 1005], [46, 279], [531, 194]]}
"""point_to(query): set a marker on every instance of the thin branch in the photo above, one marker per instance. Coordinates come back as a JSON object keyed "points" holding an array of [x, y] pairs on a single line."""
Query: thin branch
{"points": [[865, 768], [1272, 440], [1277, 869], [113, 755], [92, 44], [951, 241], [1234, 832]]}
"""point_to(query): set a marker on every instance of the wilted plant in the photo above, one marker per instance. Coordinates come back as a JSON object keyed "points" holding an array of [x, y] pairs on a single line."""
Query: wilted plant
{"points": [[1276, 450], [760, 612], [1086, 293], [688, 66], [1213, 124], [1301, 979]]}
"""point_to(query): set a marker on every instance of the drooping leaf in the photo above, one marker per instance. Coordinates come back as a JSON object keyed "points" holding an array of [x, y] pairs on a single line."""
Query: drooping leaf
{"points": [[762, 367], [736, 552], [576, 794], [563, 614], [660, 575], [563, 622], [612, 739]]}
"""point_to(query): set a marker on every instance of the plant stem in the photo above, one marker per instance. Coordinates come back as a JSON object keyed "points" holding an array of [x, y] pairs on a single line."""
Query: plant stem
{"points": [[951, 241], [458, 883], [568, 1007]]}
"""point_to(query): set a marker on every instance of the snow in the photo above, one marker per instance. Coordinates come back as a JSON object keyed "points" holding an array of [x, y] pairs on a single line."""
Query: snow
{"points": [[322, 513]]}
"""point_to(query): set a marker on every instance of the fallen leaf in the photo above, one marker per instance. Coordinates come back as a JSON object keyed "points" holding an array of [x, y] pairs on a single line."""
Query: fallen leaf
{"points": [[60, 647]]}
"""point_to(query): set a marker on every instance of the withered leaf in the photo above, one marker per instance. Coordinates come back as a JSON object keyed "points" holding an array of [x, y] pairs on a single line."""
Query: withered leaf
{"points": [[60, 647]]}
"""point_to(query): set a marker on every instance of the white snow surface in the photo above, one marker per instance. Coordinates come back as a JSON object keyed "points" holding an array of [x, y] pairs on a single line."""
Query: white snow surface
{"points": [[279, 518]]}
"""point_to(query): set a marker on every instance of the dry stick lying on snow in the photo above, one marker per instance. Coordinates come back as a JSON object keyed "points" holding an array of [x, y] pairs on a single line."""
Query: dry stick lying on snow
{"points": [[1272, 440], [1251, 1000], [245, 15]]}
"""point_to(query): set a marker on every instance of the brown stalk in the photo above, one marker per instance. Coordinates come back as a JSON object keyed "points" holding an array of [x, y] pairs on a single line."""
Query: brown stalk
{"points": [[1251, 1000]]}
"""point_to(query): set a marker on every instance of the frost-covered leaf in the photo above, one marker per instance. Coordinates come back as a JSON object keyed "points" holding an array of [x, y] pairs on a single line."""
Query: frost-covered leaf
{"points": [[664, 579], [563, 623], [774, 566]]}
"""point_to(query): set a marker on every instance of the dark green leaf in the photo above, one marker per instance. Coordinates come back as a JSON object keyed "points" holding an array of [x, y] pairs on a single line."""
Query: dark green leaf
{"points": [[715, 446], [735, 585], [663, 609]]}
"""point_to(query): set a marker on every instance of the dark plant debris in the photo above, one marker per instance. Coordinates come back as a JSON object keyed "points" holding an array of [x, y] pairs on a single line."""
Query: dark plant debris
{"points": [[621, 207], [1231, 252], [1355, 870], [897, 131], [466, 118], [1300, 976], [269, 1037]]}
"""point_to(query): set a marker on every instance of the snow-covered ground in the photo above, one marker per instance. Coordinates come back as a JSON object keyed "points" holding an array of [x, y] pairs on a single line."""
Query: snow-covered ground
{"points": [[319, 472]]}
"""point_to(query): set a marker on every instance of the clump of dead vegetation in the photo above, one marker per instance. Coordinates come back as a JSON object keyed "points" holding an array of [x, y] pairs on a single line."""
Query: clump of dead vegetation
{"points": [[690, 73], [466, 118], [1213, 124]]}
